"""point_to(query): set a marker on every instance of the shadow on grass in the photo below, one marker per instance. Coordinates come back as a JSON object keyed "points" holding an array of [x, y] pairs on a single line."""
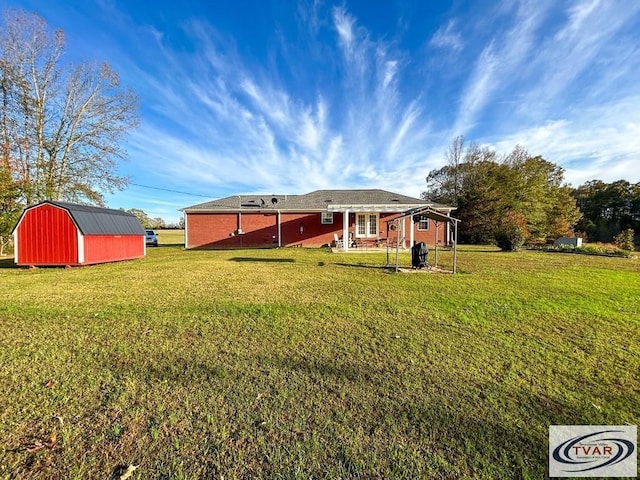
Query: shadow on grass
{"points": [[7, 263], [498, 431], [382, 268], [178, 369], [353, 372], [262, 260], [473, 250]]}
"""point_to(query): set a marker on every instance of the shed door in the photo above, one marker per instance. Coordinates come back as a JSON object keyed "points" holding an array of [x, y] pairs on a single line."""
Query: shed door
{"points": [[47, 236]]}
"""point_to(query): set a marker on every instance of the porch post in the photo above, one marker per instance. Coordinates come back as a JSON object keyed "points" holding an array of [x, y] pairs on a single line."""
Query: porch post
{"points": [[411, 225], [404, 233], [345, 230], [455, 245]]}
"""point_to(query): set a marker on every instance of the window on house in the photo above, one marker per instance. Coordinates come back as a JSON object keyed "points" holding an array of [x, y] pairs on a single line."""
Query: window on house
{"points": [[423, 223], [327, 218], [373, 225]]}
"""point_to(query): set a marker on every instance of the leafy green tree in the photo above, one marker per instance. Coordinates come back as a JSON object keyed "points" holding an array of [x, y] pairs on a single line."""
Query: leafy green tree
{"points": [[624, 239], [157, 223], [482, 205], [10, 207], [486, 190], [143, 217], [540, 195], [608, 208]]}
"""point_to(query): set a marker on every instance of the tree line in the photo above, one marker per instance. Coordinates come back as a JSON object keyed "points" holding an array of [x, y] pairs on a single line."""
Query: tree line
{"points": [[519, 197], [155, 223]]}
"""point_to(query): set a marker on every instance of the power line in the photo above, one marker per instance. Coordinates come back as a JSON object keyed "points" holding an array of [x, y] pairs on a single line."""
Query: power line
{"points": [[172, 191]]}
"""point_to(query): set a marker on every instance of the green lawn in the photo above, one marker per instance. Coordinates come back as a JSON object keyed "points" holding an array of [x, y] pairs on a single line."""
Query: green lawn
{"points": [[170, 237], [299, 363]]}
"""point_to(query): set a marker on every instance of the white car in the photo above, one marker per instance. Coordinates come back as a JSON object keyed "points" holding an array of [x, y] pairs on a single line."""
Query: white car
{"points": [[152, 238]]}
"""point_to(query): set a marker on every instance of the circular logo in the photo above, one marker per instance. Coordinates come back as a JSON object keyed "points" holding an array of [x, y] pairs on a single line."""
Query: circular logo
{"points": [[594, 450]]}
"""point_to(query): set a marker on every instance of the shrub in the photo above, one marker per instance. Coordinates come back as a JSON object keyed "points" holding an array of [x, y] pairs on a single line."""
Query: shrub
{"points": [[512, 232], [624, 240]]}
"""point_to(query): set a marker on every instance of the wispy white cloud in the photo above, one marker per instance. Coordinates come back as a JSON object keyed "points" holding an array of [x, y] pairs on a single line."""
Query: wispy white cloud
{"points": [[216, 121], [500, 63], [559, 84], [600, 142], [227, 122], [567, 65], [448, 37]]}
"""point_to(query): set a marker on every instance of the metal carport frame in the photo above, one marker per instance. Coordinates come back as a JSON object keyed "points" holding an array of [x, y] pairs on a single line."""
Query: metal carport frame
{"points": [[433, 215]]}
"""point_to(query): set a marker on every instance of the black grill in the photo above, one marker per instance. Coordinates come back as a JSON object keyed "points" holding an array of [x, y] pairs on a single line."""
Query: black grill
{"points": [[419, 255]]}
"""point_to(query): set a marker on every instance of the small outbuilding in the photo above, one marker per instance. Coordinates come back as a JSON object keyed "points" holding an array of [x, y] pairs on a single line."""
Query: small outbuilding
{"points": [[60, 234]]}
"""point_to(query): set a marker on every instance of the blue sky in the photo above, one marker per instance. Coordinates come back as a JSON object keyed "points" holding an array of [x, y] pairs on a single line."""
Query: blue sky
{"points": [[288, 97]]}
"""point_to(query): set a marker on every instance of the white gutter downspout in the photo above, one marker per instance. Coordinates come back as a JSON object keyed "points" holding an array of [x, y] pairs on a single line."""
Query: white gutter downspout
{"points": [[279, 231]]}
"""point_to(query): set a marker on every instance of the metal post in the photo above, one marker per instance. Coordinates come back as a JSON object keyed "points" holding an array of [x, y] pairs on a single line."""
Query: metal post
{"points": [[387, 242], [436, 244], [397, 247], [455, 245], [412, 227]]}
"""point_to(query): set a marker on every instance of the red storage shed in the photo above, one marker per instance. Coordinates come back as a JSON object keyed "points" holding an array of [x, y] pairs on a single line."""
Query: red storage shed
{"points": [[59, 233]]}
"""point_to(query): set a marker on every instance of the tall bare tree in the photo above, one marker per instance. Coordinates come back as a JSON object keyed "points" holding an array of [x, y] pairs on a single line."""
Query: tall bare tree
{"points": [[61, 125]]}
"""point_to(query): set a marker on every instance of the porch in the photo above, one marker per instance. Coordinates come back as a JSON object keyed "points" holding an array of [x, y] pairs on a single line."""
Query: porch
{"points": [[365, 228]]}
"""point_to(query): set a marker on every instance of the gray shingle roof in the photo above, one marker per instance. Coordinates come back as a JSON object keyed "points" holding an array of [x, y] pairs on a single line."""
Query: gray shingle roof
{"points": [[319, 200], [101, 221]]}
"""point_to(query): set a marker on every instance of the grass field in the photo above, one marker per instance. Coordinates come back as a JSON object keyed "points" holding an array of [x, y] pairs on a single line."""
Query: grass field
{"points": [[297, 363]]}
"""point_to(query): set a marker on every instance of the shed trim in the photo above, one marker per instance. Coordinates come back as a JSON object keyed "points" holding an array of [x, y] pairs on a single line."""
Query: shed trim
{"points": [[80, 247]]}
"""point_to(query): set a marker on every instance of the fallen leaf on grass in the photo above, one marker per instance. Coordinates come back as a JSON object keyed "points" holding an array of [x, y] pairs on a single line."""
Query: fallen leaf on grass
{"points": [[35, 447], [51, 442], [122, 473], [50, 383]]}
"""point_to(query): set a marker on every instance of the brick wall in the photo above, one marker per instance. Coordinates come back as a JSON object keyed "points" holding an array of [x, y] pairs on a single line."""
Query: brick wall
{"points": [[220, 230]]}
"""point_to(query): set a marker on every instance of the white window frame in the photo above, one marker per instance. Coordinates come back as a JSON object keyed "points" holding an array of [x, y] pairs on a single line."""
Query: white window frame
{"points": [[367, 225], [420, 229], [326, 218]]}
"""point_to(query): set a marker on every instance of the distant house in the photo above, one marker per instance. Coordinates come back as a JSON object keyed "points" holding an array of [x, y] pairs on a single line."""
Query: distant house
{"points": [[60, 234], [310, 220]]}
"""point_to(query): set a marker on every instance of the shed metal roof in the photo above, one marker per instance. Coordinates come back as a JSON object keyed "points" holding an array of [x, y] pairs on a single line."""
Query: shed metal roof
{"points": [[100, 221]]}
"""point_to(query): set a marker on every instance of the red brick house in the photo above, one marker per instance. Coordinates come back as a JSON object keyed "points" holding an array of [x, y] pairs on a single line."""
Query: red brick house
{"points": [[310, 220]]}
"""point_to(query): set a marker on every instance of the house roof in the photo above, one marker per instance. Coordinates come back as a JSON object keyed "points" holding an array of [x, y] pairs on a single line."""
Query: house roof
{"points": [[319, 200], [99, 221]]}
